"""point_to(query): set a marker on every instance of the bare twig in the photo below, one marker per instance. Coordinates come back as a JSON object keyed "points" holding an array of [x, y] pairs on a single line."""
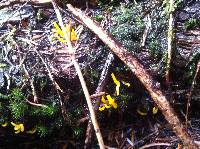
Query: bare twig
{"points": [[152, 86], [190, 94], [36, 104], [155, 144], [169, 49], [35, 97], [147, 28], [97, 95], [71, 52]]}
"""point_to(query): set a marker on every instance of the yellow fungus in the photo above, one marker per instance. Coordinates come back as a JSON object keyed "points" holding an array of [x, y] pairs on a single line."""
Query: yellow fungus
{"points": [[4, 125], [18, 127], [155, 110], [141, 113], [103, 99], [101, 108], [60, 35], [107, 106], [126, 83], [111, 101], [117, 83]]}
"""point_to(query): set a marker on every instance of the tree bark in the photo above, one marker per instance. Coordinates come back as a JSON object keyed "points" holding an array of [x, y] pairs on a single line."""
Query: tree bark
{"points": [[152, 86]]}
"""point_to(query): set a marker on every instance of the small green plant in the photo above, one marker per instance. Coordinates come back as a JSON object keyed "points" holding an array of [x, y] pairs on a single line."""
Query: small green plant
{"points": [[139, 22], [166, 6], [17, 94], [98, 17], [78, 132], [42, 131], [153, 47], [18, 109], [191, 23], [2, 96], [129, 25], [17, 105], [48, 111]]}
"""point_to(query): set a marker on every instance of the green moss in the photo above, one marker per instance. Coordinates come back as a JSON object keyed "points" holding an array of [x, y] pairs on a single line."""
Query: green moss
{"points": [[17, 94], [153, 48], [42, 131], [78, 132], [48, 111], [18, 109], [2, 96], [129, 25], [191, 23]]}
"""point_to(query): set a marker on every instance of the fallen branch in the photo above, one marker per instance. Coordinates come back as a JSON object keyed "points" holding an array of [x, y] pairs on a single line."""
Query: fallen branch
{"points": [[152, 86]]}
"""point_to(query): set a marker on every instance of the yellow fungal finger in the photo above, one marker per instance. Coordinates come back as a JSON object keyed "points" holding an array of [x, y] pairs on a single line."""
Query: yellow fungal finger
{"points": [[4, 125], [111, 101], [101, 108], [107, 106], [115, 79], [103, 99], [114, 105], [18, 131], [58, 30], [22, 127], [155, 110], [117, 89], [13, 124], [141, 113], [17, 127], [126, 83], [60, 39]]}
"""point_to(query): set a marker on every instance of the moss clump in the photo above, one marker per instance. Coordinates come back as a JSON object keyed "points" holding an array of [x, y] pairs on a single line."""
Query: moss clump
{"points": [[129, 25], [191, 23]]}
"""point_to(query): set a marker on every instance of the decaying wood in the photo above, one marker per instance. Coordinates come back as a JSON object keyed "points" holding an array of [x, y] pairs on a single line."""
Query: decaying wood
{"points": [[152, 86], [6, 3]]}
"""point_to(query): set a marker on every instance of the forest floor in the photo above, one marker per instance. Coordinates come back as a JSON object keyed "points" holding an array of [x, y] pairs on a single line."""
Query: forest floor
{"points": [[42, 104]]}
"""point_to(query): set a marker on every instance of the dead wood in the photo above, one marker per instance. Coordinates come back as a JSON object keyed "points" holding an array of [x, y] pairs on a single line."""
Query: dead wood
{"points": [[6, 3], [152, 86]]}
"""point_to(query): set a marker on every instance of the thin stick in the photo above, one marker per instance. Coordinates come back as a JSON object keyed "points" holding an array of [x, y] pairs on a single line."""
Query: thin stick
{"points": [[154, 144], [35, 97], [152, 86], [71, 52], [190, 94], [169, 44], [36, 104]]}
